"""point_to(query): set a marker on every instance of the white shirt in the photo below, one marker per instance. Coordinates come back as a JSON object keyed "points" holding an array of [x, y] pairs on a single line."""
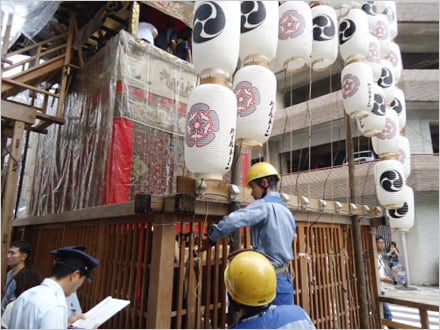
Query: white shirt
{"points": [[73, 305], [41, 307], [6, 316], [147, 31]]}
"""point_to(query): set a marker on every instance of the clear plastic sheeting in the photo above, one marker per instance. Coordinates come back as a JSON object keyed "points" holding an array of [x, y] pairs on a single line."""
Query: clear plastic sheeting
{"points": [[28, 18], [123, 132]]}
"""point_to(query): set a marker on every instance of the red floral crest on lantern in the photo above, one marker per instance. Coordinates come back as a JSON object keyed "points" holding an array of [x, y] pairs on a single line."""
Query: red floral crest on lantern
{"points": [[381, 30], [248, 97], [350, 85], [291, 25], [201, 124], [392, 57], [373, 53], [389, 131]]}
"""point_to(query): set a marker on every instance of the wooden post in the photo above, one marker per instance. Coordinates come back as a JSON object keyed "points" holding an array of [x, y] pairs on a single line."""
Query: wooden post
{"points": [[10, 194], [160, 291], [133, 26], [65, 76], [357, 239]]}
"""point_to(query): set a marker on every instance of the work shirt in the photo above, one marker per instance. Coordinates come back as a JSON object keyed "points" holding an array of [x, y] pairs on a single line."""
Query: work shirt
{"points": [[147, 31], [272, 227], [73, 305], [41, 307], [9, 290], [276, 317]]}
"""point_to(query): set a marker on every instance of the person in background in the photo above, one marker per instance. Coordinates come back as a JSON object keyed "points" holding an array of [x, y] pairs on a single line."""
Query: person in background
{"points": [[25, 279], [273, 227], [167, 39], [183, 49], [383, 276], [74, 310], [18, 254], [251, 281], [393, 255], [147, 32], [44, 306]]}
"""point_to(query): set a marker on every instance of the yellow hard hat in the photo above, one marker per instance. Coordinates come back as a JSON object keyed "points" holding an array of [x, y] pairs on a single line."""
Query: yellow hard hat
{"points": [[250, 279], [261, 170]]}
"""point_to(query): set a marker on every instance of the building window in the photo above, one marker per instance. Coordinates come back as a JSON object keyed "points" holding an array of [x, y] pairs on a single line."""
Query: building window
{"points": [[433, 127]]}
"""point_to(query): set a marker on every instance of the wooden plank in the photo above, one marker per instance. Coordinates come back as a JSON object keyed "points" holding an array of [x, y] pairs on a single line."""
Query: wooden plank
{"points": [[10, 193], [398, 325], [145, 276], [92, 213], [18, 112], [409, 303], [303, 263], [160, 292]]}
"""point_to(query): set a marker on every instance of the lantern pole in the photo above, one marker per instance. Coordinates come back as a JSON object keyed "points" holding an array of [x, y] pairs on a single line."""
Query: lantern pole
{"points": [[405, 255], [357, 237]]}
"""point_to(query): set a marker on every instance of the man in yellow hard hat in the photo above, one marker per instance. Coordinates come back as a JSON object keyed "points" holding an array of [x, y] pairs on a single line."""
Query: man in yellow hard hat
{"points": [[272, 226], [250, 281]]}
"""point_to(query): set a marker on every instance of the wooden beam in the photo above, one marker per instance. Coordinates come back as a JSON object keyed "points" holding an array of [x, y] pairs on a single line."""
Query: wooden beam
{"points": [[10, 196], [91, 213], [18, 112], [65, 75], [26, 86], [160, 291]]}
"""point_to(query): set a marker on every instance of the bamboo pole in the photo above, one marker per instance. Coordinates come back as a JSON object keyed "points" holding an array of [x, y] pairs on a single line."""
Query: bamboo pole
{"points": [[10, 195], [357, 241]]}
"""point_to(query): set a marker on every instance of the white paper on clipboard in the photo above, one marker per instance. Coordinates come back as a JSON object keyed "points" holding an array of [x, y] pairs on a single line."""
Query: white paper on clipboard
{"points": [[101, 313]]}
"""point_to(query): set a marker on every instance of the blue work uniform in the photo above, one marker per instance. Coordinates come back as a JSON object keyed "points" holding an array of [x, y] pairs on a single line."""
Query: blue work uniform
{"points": [[272, 230], [276, 317], [9, 290]]}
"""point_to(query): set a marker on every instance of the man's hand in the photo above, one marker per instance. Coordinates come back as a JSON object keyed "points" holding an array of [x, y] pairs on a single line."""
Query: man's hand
{"points": [[205, 244], [75, 317]]}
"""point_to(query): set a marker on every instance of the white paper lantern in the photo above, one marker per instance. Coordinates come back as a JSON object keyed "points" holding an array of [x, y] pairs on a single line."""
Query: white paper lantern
{"points": [[370, 9], [357, 93], [342, 7], [388, 8], [255, 87], [404, 155], [373, 58], [259, 30], [210, 131], [386, 81], [395, 58], [375, 122], [399, 106], [295, 35], [403, 218], [388, 175], [381, 30], [325, 40], [387, 142], [353, 32], [216, 35]]}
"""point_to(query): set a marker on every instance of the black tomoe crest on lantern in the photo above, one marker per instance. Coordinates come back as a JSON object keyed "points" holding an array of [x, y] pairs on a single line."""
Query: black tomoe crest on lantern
{"points": [[386, 78], [369, 8], [391, 181], [400, 212], [379, 106], [347, 28], [209, 22], [396, 105], [253, 14], [323, 28]]}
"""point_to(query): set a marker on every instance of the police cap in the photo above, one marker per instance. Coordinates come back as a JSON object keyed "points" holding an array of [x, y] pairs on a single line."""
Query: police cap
{"points": [[75, 258]]}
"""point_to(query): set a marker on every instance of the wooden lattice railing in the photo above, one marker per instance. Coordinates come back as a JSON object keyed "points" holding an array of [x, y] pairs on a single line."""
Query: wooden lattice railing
{"points": [[153, 260]]}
